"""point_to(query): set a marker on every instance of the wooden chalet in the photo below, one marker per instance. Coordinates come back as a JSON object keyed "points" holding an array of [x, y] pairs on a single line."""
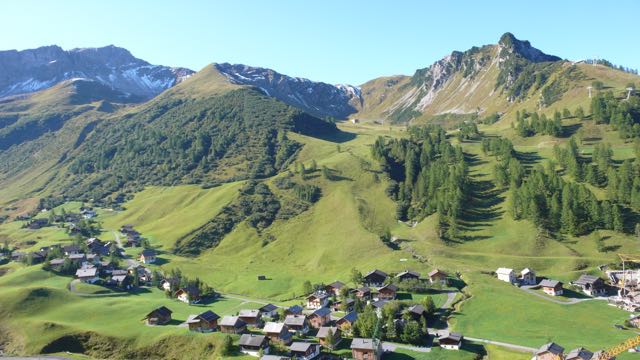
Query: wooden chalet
{"points": [[387, 292], [591, 285], [159, 316], [147, 256], [324, 331], [334, 288], [408, 275], [320, 317], [580, 354], [363, 293], [232, 325], [305, 350], [450, 341], [278, 332], [550, 351], [297, 323], [346, 322], [317, 300], [188, 295], [375, 278], [205, 322], [252, 344], [269, 310], [551, 287], [438, 277], [365, 349], [251, 317]]}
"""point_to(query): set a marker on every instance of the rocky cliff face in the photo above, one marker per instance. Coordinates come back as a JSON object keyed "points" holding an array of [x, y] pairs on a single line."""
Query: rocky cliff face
{"points": [[316, 98], [32, 70]]}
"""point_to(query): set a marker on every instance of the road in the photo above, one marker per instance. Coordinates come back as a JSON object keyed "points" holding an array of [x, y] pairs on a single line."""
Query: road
{"points": [[388, 346], [556, 301], [451, 297], [130, 262]]}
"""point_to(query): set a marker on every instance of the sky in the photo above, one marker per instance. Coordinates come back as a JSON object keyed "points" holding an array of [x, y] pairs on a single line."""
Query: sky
{"points": [[326, 40]]}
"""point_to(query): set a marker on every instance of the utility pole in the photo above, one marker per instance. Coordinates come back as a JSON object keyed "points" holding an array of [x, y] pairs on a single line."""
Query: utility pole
{"points": [[589, 88], [629, 91]]}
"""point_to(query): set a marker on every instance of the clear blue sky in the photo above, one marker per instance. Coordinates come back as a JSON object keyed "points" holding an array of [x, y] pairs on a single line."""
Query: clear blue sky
{"points": [[344, 41]]}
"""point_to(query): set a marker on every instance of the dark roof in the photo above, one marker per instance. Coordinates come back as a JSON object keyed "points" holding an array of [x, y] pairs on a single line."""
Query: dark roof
{"points": [[324, 331], [323, 311], [251, 340], [56, 261], [552, 348], [362, 344], [295, 309], [579, 354], [295, 320], [389, 287], [162, 311], [148, 252], [416, 309], [436, 271], [317, 295], [377, 272], [363, 289], [379, 303], [302, 346], [191, 290], [350, 317], [409, 272], [336, 285], [209, 316], [550, 283], [73, 247], [587, 279], [268, 308], [451, 336]]}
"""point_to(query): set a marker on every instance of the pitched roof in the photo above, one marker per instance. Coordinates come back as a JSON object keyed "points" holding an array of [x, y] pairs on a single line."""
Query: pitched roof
{"points": [[249, 313], [408, 272], [379, 303], [579, 354], [148, 253], [231, 321], [526, 271], [552, 348], [86, 272], [350, 317], [295, 320], [323, 311], [363, 289], [336, 285], [324, 331], [451, 336], [550, 283], [362, 344], [162, 311], [76, 256], [586, 279], [299, 346], [416, 309], [295, 309], [435, 272], [209, 316], [377, 272], [390, 287], [251, 340], [273, 327], [268, 308], [504, 271], [320, 295], [56, 262]]}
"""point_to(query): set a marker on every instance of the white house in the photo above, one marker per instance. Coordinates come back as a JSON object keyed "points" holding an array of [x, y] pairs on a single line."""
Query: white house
{"points": [[528, 277], [506, 274], [450, 341]]}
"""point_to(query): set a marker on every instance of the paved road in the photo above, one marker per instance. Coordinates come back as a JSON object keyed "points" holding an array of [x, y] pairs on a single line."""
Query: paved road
{"points": [[556, 301], [503, 344], [388, 346], [127, 258], [451, 296]]}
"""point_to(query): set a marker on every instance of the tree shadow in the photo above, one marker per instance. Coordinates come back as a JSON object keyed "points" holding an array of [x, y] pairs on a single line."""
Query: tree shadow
{"points": [[528, 159], [570, 130]]}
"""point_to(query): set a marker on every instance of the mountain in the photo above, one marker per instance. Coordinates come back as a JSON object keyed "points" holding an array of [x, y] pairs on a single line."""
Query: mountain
{"points": [[27, 71], [316, 98]]}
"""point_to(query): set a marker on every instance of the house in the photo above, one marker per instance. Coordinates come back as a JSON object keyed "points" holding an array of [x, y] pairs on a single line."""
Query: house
{"points": [[365, 349], [297, 323], [87, 275], [320, 317], [251, 344], [506, 274], [438, 277], [294, 310], [324, 331], [355, 121], [189, 295], [378, 305], [304, 350], [77, 258], [232, 325], [417, 312], [122, 281], [450, 341], [338, 305], [527, 277], [579, 354], [159, 316], [269, 310], [591, 285], [205, 322], [56, 264], [408, 275], [551, 287], [169, 284], [277, 332], [317, 300], [251, 317], [334, 288], [550, 351], [387, 292], [71, 249], [346, 322], [375, 278], [147, 256], [363, 293]]}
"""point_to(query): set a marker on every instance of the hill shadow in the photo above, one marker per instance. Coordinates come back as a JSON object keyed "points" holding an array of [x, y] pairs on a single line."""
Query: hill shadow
{"points": [[528, 159], [337, 136]]}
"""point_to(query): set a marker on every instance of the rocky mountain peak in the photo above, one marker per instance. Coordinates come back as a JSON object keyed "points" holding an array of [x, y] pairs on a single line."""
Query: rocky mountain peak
{"points": [[509, 44]]}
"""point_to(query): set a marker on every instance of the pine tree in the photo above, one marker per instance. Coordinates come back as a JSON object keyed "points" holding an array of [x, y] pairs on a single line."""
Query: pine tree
{"points": [[618, 222]]}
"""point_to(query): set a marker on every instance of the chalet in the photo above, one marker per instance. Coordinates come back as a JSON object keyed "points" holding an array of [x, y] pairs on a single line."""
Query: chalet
{"points": [[205, 322], [506, 274], [294, 310], [387, 292], [269, 310], [416, 312], [88, 213], [159, 316], [77, 258], [251, 317], [338, 305], [320, 317], [93, 259], [375, 278], [346, 322], [579, 354], [450, 341], [132, 241], [106, 267], [304, 350], [324, 331], [147, 256], [363, 293], [56, 264], [591, 285], [297, 323], [251, 344], [408, 275], [334, 288], [232, 325], [71, 249], [366, 349], [87, 275], [169, 284], [527, 277], [317, 300], [551, 287], [38, 257], [121, 281], [36, 224], [18, 256], [438, 277], [277, 332], [550, 351], [378, 305], [188, 295]]}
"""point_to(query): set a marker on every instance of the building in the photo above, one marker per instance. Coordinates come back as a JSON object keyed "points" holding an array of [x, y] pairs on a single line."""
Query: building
{"points": [[375, 278], [277, 332], [189, 295], [387, 292], [71, 249], [591, 285], [232, 325], [251, 317], [159, 316], [87, 275], [346, 322], [348, 305], [269, 310], [297, 323], [320, 317], [334, 288], [417, 312], [251, 344], [550, 351], [378, 305], [438, 277], [294, 310], [317, 300], [579, 354], [147, 256], [205, 322], [365, 349], [408, 275], [363, 293], [506, 275], [304, 350], [551, 287], [528, 277], [324, 331], [450, 341]]}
